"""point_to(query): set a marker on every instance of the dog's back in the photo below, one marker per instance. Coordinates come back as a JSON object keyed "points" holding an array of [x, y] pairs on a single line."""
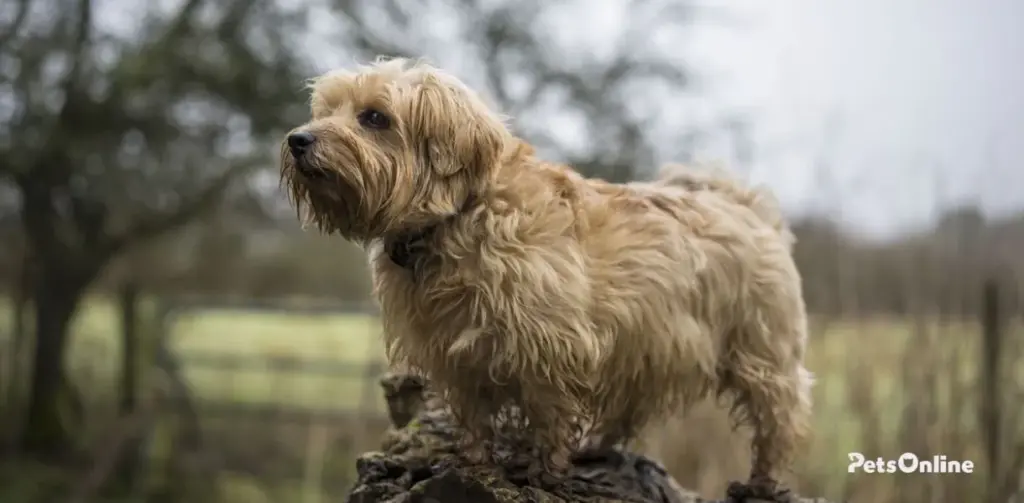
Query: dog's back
{"points": [[760, 201]]}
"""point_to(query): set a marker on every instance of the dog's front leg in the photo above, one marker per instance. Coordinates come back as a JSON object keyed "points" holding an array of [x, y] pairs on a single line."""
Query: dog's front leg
{"points": [[474, 411], [550, 415], [476, 446]]}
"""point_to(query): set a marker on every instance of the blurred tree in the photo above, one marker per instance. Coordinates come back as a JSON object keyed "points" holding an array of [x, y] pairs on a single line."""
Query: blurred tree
{"points": [[513, 52], [533, 74], [111, 136]]}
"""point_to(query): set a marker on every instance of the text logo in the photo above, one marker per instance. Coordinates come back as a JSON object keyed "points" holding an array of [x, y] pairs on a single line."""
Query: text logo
{"points": [[908, 462]]}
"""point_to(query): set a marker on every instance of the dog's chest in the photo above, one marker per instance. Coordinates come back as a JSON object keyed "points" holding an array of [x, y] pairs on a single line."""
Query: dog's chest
{"points": [[423, 298], [446, 329]]}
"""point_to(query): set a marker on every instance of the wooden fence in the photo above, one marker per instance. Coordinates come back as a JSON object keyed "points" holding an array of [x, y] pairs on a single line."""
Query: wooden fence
{"points": [[175, 362], [173, 395], [269, 440]]}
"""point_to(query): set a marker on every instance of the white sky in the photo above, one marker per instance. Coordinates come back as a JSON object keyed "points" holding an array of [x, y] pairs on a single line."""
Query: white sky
{"points": [[930, 94]]}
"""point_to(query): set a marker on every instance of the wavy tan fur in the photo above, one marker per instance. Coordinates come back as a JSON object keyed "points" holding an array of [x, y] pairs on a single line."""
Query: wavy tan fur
{"points": [[576, 300]]}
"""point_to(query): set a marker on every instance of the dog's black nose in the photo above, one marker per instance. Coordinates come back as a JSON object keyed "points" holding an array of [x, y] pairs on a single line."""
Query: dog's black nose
{"points": [[299, 142]]}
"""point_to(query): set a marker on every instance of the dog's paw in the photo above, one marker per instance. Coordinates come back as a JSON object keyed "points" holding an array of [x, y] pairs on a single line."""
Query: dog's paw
{"points": [[476, 453], [758, 491], [444, 464]]}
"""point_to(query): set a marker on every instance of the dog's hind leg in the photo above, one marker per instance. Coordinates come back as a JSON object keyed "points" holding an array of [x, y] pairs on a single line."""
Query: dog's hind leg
{"points": [[772, 392], [780, 408]]}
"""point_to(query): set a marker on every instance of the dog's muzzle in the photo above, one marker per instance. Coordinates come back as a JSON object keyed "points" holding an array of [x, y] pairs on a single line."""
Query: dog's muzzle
{"points": [[300, 145]]}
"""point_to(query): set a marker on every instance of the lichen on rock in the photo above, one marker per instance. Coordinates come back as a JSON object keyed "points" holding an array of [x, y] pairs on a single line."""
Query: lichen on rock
{"points": [[419, 463]]}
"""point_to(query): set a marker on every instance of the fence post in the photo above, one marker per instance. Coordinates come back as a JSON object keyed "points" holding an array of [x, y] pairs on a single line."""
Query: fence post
{"points": [[128, 304], [991, 394], [12, 371], [128, 309], [19, 330]]}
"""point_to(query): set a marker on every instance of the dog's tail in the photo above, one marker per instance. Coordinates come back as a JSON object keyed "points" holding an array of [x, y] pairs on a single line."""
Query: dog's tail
{"points": [[760, 201]]}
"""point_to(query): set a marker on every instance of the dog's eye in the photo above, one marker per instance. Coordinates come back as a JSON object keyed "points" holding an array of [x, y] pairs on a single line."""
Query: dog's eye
{"points": [[373, 119]]}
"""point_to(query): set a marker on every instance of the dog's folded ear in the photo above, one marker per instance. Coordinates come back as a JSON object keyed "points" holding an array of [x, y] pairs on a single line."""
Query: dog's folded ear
{"points": [[456, 130]]}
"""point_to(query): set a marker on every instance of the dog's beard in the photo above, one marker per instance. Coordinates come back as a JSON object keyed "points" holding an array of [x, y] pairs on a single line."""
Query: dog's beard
{"points": [[359, 197], [325, 199], [321, 198]]}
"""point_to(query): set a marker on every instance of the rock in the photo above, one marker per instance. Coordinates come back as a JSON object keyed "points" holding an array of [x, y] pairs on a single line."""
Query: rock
{"points": [[419, 463]]}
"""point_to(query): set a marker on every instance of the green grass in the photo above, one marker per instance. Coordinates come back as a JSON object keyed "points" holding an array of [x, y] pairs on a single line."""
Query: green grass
{"points": [[347, 338], [352, 338], [846, 357], [876, 350], [355, 338]]}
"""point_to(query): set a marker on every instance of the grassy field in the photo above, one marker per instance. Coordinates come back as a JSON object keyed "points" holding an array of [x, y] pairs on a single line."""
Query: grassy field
{"points": [[354, 338], [874, 377], [350, 339]]}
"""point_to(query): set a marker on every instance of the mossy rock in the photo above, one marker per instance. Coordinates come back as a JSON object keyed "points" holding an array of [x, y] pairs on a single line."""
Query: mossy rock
{"points": [[419, 463]]}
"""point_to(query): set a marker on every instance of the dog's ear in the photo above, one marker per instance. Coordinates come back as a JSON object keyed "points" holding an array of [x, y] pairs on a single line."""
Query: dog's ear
{"points": [[455, 128]]}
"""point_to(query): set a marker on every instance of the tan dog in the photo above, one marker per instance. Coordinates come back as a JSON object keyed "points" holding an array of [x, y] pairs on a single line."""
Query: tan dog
{"points": [[511, 280]]}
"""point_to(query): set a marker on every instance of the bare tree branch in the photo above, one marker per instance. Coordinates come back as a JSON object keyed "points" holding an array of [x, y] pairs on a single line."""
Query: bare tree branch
{"points": [[177, 26], [21, 14], [71, 91], [502, 32], [83, 36], [507, 49], [361, 34], [146, 227]]}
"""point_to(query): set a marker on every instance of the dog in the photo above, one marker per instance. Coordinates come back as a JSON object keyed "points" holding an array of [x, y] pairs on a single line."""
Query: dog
{"points": [[512, 281]]}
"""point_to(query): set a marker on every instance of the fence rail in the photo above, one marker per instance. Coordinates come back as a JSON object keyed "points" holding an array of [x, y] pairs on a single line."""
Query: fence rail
{"points": [[176, 362], [281, 364], [185, 304], [257, 412]]}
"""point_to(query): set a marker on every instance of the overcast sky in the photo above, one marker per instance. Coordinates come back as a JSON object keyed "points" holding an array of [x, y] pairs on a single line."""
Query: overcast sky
{"points": [[926, 94]]}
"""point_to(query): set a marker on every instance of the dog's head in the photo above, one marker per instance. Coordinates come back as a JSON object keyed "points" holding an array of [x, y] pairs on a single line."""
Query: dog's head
{"points": [[391, 147]]}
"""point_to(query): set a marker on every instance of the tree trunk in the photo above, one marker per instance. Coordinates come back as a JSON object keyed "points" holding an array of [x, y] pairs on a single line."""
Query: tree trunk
{"points": [[46, 435]]}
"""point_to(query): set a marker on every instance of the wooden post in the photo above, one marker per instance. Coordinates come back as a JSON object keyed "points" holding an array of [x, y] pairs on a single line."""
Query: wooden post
{"points": [[20, 329], [13, 371], [128, 302], [991, 394]]}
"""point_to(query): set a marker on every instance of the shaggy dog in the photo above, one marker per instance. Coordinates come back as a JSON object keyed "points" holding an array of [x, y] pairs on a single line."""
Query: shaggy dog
{"points": [[510, 280]]}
